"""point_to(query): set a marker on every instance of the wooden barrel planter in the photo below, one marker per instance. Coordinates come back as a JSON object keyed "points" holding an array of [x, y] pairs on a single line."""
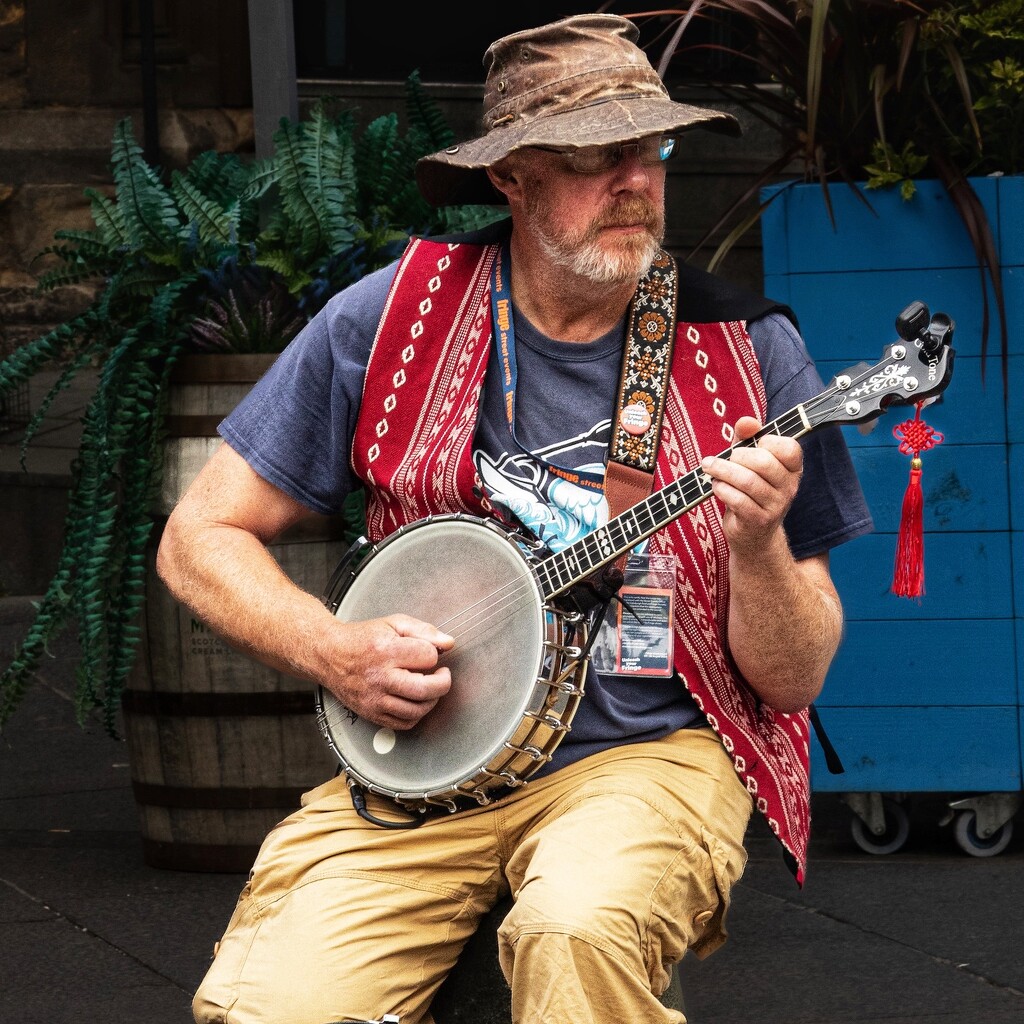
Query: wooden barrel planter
{"points": [[221, 747]]}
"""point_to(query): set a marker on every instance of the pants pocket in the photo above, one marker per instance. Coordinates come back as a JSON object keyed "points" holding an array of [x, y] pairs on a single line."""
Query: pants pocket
{"points": [[685, 899], [219, 989], [689, 906], [727, 862]]}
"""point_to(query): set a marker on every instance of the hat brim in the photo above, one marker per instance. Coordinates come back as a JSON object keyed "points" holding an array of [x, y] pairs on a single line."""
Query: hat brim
{"points": [[456, 175]]}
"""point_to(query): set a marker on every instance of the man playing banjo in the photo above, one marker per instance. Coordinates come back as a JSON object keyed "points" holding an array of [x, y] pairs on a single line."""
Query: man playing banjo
{"points": [[496, 376]]}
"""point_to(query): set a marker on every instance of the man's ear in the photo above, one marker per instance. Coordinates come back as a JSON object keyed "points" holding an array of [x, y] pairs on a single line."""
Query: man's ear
{"points": [[503, 178]]}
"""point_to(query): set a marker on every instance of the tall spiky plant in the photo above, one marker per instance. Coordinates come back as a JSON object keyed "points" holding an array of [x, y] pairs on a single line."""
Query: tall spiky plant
{"points": [[878, 90], [216, 258], [150, 258]]}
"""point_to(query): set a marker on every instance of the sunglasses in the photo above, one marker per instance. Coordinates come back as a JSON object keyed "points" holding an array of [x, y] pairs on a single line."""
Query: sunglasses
{"points": [[653, 149]]}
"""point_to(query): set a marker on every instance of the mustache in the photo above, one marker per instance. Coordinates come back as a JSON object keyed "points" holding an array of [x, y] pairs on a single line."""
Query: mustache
{"points": [[630, 210]]}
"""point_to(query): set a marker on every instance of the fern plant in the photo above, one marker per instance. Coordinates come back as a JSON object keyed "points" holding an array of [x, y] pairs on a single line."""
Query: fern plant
{"points": [[224, 256]]}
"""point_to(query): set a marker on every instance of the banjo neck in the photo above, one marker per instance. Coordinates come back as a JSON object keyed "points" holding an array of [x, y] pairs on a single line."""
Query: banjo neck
{"points": [[561, 571], [912, 370]]}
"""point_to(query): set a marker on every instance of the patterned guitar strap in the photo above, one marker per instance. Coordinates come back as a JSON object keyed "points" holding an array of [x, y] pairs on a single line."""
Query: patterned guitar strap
{"points": [[646, 363], [647, 358]]}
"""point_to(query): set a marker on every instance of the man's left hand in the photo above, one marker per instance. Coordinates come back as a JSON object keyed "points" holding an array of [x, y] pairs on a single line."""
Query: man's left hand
{"points": [[756, 486]]}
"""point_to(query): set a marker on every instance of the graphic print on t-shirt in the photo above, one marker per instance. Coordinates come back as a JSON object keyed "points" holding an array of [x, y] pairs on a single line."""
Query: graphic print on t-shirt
{"points": [[551, 505]]}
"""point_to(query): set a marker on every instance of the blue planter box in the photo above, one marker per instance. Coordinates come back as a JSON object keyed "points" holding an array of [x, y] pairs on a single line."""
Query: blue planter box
{"points": [[923, 696]]}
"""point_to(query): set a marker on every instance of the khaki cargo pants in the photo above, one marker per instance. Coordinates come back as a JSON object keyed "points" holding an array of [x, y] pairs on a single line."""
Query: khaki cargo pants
{"points": [[618, 864]]}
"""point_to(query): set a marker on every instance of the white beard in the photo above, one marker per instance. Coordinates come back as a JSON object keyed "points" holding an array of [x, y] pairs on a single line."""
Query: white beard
{"points": [[593, 263], [583, 252]]}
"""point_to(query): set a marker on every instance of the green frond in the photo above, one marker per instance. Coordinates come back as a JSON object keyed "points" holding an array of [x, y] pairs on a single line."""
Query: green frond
{"points": [[108, 220], [63, 252], [52, 615], [109, 306], [282, 261], [206, 171], [140, 473], [89, 238], [62, 383], [86, 245], [377, 162], [173, 259], [410, 210], [89, 594], [425, 116], [211, 219], [317, 184], [468, 218], [341, 202], [295, 198], [76, 589], [149, 214], [171, 311], [145, 279], [60, 277], [87, 257], [327, 158], [27, 359], [218, 176], [262, 176], [353, 515]]}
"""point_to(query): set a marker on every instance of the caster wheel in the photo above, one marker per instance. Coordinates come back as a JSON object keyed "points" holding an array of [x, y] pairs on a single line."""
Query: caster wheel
{"points": [[897, 829], [967, 838]]}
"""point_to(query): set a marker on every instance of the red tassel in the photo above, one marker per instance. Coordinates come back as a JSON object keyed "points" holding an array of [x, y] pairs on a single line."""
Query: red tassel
{"points": [[908, 573]]}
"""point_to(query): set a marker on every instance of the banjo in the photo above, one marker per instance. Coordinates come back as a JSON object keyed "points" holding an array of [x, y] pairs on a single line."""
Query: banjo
{"points": [[521, 630]]}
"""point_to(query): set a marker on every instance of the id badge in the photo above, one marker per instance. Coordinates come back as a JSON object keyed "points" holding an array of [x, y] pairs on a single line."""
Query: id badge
{"points": [[635, 637]]}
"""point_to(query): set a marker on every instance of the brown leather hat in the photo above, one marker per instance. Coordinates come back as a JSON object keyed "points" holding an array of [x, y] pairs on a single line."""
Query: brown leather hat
{"points": [[581, 81]]}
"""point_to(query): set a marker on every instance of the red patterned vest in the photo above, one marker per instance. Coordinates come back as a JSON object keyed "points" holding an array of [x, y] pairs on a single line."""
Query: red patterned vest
{"points": [[413, 448]]}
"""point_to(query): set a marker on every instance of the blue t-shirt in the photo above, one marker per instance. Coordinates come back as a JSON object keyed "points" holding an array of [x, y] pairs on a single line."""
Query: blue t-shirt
{"points": [[295, 429]]}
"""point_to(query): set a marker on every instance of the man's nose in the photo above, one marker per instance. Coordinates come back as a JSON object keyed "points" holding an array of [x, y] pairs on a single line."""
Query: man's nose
{"points": [[630, 170]]}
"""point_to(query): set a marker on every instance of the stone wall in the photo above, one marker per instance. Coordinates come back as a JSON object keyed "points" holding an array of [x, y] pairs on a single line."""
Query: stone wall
{"points": [[68, 74]]}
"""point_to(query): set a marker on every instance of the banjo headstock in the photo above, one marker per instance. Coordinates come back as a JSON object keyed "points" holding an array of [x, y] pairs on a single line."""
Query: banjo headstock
{"points": [[915, 368]]}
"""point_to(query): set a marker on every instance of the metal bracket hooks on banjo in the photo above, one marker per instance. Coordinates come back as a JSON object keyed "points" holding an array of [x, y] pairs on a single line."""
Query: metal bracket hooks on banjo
{"points": [[522, 631]]}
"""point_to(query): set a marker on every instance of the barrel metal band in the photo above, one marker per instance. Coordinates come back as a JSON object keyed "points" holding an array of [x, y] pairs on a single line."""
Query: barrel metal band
{"points": [[207, 705]]}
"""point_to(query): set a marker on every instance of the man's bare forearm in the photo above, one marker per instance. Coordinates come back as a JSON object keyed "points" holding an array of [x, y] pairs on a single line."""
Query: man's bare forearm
{"points": [[785, 624], [232, 582]]}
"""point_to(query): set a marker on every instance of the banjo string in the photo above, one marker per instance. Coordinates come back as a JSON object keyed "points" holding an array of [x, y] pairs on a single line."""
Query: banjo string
{"points": [[518, 590], [500, 601]]}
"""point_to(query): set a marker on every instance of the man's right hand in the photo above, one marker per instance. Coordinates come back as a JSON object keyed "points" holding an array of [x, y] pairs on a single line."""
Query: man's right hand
{"points": [[386, 670]]}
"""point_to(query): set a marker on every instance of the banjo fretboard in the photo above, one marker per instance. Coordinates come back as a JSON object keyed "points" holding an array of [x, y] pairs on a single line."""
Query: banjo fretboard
{"points": [[559, 572]]}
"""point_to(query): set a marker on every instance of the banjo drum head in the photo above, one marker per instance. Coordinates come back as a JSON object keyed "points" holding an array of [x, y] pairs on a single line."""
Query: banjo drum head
{"points": [[472, 582]]}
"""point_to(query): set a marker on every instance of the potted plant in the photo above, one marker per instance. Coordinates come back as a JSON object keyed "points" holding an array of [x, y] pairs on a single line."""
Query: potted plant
{"points": [[903, 121], [203, 278], [875, 93]]}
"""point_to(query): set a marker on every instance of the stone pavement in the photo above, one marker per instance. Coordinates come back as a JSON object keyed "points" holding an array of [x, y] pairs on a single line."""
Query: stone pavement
{"points": [[89, 934]]}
